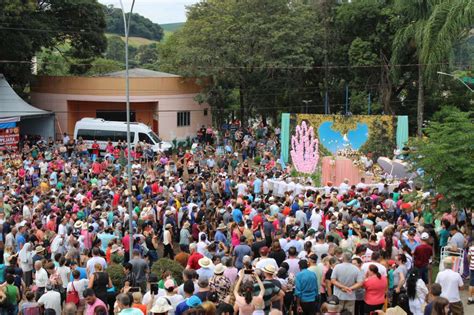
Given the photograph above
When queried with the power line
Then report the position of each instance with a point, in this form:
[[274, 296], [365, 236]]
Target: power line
[[258, 67]]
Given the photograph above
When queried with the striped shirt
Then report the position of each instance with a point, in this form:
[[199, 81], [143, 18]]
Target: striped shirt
[[471, 255]]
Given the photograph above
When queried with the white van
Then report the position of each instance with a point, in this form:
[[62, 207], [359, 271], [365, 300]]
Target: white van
[[90, 129]]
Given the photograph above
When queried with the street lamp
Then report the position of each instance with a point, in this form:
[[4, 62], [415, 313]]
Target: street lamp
[[455, 77], [306, 102], [126, 26]]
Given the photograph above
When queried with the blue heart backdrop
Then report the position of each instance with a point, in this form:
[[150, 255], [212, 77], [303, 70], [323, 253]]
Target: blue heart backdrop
[[334, 140], [365, 133]]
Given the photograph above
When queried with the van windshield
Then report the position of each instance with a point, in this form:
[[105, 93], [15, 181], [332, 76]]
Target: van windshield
[[154, 136]]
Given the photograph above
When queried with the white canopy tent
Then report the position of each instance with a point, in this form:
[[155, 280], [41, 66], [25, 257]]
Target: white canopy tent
[[32, 120]]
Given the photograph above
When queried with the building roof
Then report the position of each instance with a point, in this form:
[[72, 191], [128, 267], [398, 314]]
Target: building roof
[[141, 73], [11, 105]]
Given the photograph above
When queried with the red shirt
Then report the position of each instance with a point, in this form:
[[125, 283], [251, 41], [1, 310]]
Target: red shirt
[[126, 243], [422, 255], [95, 148], [96, 168], [193, 260], [257, 221], [375, 289]]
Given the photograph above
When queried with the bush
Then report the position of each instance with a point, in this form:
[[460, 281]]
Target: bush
[[165, 264], [117, 275]]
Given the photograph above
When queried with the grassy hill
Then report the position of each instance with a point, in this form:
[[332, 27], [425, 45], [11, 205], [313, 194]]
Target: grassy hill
[[134, 41], [170, 28]]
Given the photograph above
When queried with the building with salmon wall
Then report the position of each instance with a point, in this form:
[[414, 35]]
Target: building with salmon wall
[[163, 101]]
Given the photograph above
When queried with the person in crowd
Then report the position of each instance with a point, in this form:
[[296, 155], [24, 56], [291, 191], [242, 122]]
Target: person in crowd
[[416, 292], [451, 283], [228, 213]]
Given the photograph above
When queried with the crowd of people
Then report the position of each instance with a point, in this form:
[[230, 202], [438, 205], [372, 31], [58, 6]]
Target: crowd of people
[[350, 249]]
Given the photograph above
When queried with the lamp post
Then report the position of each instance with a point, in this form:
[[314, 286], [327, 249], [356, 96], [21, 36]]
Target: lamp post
[[455, 77], [306, 102], [126, 26]]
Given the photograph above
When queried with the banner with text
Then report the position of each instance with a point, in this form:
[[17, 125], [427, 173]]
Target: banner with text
[[9, 134]]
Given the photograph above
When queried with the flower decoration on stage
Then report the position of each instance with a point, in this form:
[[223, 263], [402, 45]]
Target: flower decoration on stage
[[304, 149]]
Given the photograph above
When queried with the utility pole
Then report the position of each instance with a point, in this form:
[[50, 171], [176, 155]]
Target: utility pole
[[306, 102], [126, 26]]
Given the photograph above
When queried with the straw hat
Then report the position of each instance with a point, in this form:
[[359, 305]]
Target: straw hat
[[205, 262], [78, 224], [115, 248], [186, 225], [269, 269], [219, 269], [39, 249], [221, 226]]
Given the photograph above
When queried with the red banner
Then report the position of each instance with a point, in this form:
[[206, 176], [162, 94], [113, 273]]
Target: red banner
[[9, 138]]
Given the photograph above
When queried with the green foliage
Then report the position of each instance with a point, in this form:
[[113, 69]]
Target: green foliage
[[27, 26], [171, 27], [379, 142], [252, 46], [315, 177], [147, 54], [165, 264], [140, 26], [103, 66], [117, 275], [115, 49], [446, 156]]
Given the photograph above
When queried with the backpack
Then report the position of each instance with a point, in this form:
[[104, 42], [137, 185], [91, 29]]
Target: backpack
[[72, 296]]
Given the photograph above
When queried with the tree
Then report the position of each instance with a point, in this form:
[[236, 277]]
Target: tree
[[103, 66], [115, 49], [445, 156], [431, 29], [140, 26], [27, 26], [261, 48], [147, 54]]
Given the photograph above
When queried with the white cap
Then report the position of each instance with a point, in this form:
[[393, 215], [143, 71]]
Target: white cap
[[425, 236]]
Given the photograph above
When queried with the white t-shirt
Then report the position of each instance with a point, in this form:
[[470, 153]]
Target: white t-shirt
[[382, 269], [95, 260], [315, 220], [64, 273], [450, 282], [51, 299], [79, 285], [294, 266], [241, 189], [175, 300], [41, 278], [320, 250]]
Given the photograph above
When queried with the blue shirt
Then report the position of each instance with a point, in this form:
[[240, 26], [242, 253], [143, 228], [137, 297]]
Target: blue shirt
[[220, 237], [181, 308], [237, 215], [257, 186], [306, 286], [82, 272]]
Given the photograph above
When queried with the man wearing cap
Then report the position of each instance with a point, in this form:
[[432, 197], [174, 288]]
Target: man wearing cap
[[306, 289], [422, 256]]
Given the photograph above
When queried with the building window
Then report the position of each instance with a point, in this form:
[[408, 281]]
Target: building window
[[184, 119], [205, 111]]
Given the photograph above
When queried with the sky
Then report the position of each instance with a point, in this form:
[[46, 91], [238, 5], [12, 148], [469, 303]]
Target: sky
[[159, 11]]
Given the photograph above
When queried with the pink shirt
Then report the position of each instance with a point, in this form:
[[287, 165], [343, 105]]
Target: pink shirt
[[375, 290], [90, 308]]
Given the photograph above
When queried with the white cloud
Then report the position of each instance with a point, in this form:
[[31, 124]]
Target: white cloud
[[159, 11]]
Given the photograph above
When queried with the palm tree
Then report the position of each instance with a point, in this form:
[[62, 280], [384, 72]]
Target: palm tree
[[433, 27]]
